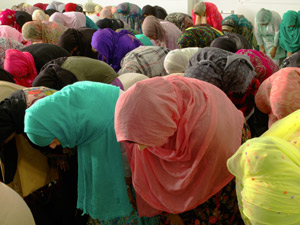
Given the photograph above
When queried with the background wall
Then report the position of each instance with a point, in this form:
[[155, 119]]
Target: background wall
[[248, 8]]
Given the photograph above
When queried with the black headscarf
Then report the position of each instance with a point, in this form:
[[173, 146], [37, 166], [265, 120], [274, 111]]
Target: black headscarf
[[22, 17], [113, 24], [50, 11], [231, 42], [81, 38], [156, 11], [6, 76], [53, 76], [43, 53], [291, 61]]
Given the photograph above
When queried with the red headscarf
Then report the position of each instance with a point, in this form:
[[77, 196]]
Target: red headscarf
[[8, 17], [21, 65], [279, 95], [185, 123], [213, 16], [70, 7], [41, 6]]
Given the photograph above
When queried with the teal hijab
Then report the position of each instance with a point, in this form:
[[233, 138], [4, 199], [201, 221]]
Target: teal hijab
[[144, 39], [289, 38], [82, 115]]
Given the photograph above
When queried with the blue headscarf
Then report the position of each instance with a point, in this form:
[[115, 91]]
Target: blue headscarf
[[82, 115]]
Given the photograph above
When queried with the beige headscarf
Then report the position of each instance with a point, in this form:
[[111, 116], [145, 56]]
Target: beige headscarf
[[177, 59], [40, 15], [89, 7], [151, 27], [200, 8], [129, 79]]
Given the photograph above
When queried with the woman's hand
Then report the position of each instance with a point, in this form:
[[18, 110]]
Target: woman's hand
[[273, 52], [289, 54], [262, 49], [174, 219]]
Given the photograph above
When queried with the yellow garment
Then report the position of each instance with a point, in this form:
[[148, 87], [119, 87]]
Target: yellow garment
[[33, 171], [7, 88], [267, 171]]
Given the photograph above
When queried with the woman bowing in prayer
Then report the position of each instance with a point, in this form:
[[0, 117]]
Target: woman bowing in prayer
[[131, 14], [102, 165], [162, 33], [113, 46], [267, 28], [289, 36], [172, 111]]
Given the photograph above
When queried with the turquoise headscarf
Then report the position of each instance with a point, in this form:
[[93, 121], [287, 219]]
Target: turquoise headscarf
[[144, 39], [82, 115], [289, 38]]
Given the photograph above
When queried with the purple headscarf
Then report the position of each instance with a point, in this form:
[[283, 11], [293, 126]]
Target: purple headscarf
[[113, 46]]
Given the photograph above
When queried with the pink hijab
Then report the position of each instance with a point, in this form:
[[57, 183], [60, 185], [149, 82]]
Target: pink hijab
[[185, 122], [8, 17], [21, 65], [279, 95], [213, 16], [69, 19], [10, 32], [263, 65], [106, 12]]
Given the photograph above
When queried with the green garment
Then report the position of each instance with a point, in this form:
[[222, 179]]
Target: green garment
[[85, 68], [289, 38], [145, 40], [267, 27], [82, 115]]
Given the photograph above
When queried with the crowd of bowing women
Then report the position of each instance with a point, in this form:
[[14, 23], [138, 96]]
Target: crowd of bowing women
[[121, 115]]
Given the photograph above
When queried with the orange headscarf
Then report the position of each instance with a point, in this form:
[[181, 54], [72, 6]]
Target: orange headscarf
[[279, 95], [191, 128]]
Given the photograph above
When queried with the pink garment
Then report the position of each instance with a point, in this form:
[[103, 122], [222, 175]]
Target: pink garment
[[10, 32], [21, 65], [186, 123], [279, 95], [172, 33], [106, 12], [263, 65], [41, 5], [8, 17], [69, 19], [213, 16]]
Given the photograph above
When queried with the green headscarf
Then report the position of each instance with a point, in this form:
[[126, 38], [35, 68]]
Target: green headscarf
[[82, 115], [289, 38], [85, 68], [263, 16]]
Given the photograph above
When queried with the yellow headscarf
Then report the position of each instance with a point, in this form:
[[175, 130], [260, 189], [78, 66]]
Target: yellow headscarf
[[267, 171]]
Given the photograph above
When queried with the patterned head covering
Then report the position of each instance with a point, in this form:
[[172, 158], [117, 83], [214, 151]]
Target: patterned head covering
[[263, 65], [43, 31], [279, 95], [5, 44], [267, 174], [7, 17], [131, 14], [181, 20], [40, 15], [200, 36], [147, 60]]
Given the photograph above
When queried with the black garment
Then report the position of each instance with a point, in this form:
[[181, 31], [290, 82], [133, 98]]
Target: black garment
[[156, 11], [12, 112], [53, 76], [80, 38], [291, 61], [113, 24], [50, 11], [22, 17], [6, 76], [258, 122], [231, 42], [43, 53]]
